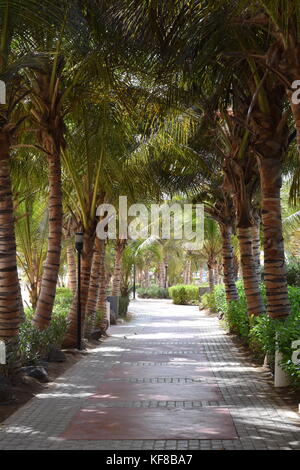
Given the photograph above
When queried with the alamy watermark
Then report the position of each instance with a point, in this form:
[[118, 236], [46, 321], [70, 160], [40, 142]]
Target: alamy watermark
[[166, 221], [2, 92], [296, 94]]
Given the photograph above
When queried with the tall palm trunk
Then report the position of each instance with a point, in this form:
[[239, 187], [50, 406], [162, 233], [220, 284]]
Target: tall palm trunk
[[86, 262], [162, 274], [211, 264], [274, 258], [228, 265], [146, 278], [269, 124], [251, 279], [93, 293], [103, 282], [256, 248], [116, 287], [71, 268], [51, 129], [187, 272], [11, 307], [52, 263]]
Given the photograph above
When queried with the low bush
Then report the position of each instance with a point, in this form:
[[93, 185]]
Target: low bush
[[260, 333], [123, 305], [34, 344], [220, 299], [184, 294], [208, 301], [267, 332], [153, 292], [293, 272]]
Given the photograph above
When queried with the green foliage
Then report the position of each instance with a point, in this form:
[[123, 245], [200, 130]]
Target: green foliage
[[123, 305], [293, 273], [220, 298], [184, 295], [208, 301], [260, 333], [153, 292], [34, 344], [236, 317], [63, 300]]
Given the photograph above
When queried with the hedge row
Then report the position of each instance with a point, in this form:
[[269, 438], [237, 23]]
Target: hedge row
[[185, 294], [153, 292], [259, 333]]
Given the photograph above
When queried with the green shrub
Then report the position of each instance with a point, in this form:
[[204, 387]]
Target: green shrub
[[123, 305], [260, 333], [34, 344], [208, 301], [153, 292], [216, 300], [220, 299], [293, 273], [184, 294]]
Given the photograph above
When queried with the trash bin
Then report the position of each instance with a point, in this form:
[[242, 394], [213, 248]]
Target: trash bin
[[114, 308]]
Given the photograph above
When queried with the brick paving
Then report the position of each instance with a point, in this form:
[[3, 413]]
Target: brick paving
[[161, 335]]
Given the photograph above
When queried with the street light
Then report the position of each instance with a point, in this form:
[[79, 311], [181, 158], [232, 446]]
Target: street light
[[166, 274], [134, 280], [79, 247]]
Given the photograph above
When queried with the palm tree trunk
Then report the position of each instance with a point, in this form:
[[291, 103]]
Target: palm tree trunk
[[146, 272], [256, 248], [93, 292], [86, 262], [71, 268], [251, 279], [228, 266], [11, 306], [52, 263], [236, 266], [187, 274], [102, 297], [211, 276], [278, 306], [162, 273], [116, 287], [33, 294]]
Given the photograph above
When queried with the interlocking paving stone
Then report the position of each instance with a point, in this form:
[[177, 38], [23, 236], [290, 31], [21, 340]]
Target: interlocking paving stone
[[120, 371], [173, 359], [262, 419], [128, 391], [125, 423]]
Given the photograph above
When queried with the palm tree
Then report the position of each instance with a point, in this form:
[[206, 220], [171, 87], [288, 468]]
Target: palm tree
[[31, 235], [101, 135], [211, 249], [13, 17], [116, 284]]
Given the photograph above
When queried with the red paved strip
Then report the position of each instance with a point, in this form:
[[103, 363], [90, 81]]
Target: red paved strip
[[125, 371], [151, 423], [128, 392]]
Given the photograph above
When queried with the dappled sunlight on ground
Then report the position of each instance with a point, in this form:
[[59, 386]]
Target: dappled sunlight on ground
[[169, 376]]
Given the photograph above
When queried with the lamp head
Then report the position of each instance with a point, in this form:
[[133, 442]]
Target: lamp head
[[79, 241]]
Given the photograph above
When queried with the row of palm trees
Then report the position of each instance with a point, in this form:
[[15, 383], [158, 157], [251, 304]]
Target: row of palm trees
[[143, 98], [233, 66]]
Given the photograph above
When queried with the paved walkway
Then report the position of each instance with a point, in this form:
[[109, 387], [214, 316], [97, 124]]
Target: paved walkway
[[169, 379]]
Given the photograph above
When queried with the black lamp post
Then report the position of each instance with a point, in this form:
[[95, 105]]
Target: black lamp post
[[79, 247], [166, 274], [134, 279]]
